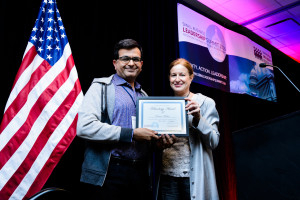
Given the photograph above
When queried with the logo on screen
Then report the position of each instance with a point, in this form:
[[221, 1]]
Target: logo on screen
[[258, 53], [216, 43]]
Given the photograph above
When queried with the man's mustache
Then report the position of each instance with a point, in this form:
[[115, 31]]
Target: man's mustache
[[130, 67]]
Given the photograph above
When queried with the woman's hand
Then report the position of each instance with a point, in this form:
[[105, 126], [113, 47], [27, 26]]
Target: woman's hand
[[193, 108], [166, 141]]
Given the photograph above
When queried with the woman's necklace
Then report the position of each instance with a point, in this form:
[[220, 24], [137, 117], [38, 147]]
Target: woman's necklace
[[188, 94], [185, 96]]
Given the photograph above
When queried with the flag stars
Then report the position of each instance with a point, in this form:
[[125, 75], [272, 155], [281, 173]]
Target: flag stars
[[49, 57], [33, 38], [50, 19], [49, 47], [48, 34], [40, 49], [49, 37], [50, 11]]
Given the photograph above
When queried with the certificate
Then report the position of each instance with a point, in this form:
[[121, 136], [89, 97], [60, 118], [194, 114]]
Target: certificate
[[166, 115]]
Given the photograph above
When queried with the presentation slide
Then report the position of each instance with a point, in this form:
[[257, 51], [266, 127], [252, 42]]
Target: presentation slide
[[222, 58]]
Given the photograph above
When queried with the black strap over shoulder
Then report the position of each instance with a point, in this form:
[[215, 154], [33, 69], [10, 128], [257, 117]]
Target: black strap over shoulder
[[103, 97], [104, 112]]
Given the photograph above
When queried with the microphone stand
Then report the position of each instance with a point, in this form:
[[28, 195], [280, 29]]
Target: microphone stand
[[287, 78]]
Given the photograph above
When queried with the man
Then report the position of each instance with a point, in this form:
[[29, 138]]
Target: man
[[116, 158]]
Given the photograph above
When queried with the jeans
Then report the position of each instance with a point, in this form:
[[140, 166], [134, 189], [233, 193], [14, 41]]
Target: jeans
[[174, 188]]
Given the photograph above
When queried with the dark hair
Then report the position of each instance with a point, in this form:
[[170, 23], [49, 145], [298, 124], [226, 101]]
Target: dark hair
[[183, 62], [126, 44]]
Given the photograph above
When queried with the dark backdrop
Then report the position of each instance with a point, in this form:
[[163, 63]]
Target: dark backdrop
[[268, 158], [94, 26]]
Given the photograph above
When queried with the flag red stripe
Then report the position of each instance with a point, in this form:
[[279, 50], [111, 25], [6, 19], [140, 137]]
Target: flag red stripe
[[52, 124], [21, 98], [21, 134], [37, 108], [27, 60], [53, 160]]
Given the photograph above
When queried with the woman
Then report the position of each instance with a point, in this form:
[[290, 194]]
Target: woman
[[187, 165]]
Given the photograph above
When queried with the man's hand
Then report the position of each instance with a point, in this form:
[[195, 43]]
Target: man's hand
[[142, 134]]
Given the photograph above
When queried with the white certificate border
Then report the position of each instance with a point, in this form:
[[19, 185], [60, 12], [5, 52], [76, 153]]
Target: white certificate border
[[141, 101]]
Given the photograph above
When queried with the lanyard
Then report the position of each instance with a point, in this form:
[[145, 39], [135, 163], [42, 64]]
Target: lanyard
[[132, 98]]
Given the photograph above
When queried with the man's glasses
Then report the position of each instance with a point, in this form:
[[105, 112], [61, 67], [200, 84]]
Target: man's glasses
[[126, 59]]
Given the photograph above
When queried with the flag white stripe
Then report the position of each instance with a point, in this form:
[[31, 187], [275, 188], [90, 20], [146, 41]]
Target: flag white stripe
[[35, 93], [29, 45], [44, 155], [23, 79], [17, 158]]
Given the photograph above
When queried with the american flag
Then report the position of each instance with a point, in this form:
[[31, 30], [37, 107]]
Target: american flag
[[39, 121]]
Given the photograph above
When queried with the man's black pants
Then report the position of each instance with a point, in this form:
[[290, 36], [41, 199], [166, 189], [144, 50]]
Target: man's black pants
[[124, 180]]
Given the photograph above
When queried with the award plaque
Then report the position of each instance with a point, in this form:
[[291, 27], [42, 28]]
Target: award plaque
[[166, 115]]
